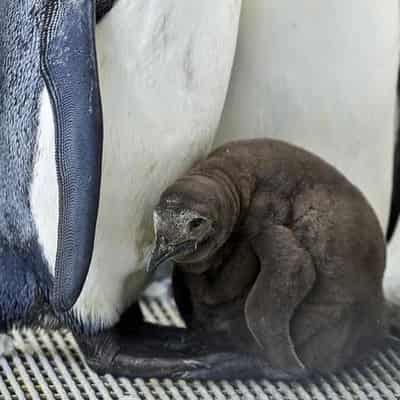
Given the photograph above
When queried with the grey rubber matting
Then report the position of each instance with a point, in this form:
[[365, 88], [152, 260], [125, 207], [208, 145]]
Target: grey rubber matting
[[48, 365]]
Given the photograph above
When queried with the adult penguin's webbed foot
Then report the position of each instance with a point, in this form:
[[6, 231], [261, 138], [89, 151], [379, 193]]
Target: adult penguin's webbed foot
[[163, 352], [141, 350]]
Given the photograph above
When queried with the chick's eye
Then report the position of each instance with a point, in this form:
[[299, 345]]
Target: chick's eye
[[195, 223]]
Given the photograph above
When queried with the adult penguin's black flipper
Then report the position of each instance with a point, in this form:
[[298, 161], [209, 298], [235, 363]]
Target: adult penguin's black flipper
[[395, 204], [69, 68], [103, 7]]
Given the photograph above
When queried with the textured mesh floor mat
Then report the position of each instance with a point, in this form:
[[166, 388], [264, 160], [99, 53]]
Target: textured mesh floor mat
[[48, 365]]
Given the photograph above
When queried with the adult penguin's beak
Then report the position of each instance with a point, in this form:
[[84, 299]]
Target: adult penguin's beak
[[69, 69]]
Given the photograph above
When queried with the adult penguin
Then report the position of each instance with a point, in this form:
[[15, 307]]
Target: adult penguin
[[323, 77], [325, 80], [76, 206]]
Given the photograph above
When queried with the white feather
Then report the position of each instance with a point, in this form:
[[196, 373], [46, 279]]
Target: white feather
[[321, 74], [164, 68], [44, 189], [7, 346]]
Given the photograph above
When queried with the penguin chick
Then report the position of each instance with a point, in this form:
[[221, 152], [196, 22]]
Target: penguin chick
[[278, 256]]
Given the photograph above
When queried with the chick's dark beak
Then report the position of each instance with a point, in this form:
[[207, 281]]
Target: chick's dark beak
[[159, 255], [164, 252]]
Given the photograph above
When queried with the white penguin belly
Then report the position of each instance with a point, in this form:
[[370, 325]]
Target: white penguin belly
[[164, 68], [321, 75]]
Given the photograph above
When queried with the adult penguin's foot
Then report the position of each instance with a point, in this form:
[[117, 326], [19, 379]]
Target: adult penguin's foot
[[170, 354], [135, 349]]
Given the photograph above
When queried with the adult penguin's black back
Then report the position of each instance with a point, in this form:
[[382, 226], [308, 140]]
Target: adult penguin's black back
[[25, 280], [39, 46]]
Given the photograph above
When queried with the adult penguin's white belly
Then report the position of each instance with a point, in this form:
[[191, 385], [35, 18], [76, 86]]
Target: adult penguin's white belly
[[164, 69], [322, 75]]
